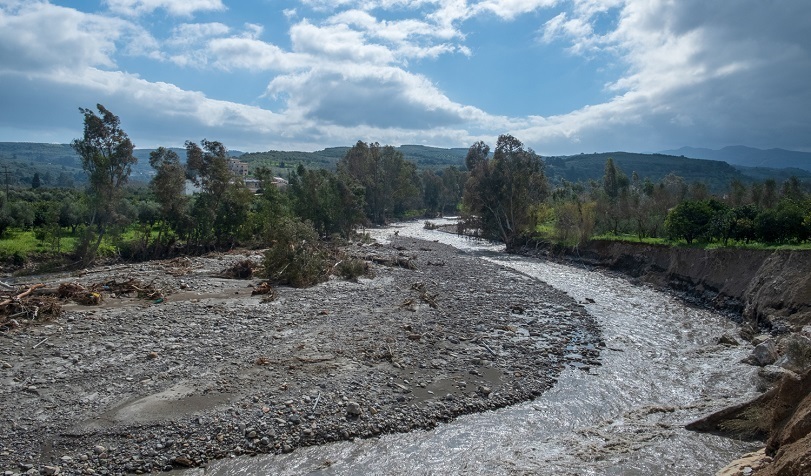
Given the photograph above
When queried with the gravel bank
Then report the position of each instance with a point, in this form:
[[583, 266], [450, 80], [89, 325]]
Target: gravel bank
[[134, 386]]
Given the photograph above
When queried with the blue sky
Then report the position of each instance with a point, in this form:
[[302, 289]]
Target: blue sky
[[563, 76]]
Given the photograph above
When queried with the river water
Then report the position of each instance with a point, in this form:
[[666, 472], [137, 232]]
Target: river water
[[661, 368]]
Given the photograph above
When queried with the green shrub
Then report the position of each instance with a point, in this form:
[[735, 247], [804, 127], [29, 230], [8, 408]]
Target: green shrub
[[296, 256], [352, 268]]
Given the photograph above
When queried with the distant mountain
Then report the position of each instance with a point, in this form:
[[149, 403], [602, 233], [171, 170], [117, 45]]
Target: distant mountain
[[749, 156]]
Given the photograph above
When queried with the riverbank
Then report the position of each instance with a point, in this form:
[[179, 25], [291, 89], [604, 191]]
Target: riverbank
[[770, 292], [767, 288], [211, 371]]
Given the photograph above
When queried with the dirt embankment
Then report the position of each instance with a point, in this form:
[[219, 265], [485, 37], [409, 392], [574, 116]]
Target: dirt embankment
[[770, 290]]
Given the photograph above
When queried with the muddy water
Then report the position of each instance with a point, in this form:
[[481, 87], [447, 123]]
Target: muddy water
[[661, 369]]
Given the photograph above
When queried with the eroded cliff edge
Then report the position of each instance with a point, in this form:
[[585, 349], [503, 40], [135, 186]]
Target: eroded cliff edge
[[768, 288]]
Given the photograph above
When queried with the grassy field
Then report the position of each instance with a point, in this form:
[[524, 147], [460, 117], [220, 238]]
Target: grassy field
[[710, 246]]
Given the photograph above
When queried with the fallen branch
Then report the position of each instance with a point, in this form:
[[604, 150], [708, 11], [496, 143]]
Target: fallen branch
[[21, 295], [488, 348], [317, 399], [39, 343]]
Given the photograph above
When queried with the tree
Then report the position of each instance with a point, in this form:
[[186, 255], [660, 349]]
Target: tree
[[612, 179], [689, 220], [476, 154], [505, 191], [271, 207], [169, 185], [36, 182], [106, 154], [390, 184], [221, 208], [325, 200]]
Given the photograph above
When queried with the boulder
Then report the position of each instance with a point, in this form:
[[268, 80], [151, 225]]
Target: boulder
[[763, 354]]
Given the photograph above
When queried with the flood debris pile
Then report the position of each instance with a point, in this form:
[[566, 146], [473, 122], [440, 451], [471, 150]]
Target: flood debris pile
[[38, 303], [20, 306], [216, 371]]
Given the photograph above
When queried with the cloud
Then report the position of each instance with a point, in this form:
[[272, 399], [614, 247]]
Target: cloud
[[706, 73], [383, 97], [337, 42], [192, 34], [687, 72], [173, 7], [39, 36], [510, 9], [251, 54]]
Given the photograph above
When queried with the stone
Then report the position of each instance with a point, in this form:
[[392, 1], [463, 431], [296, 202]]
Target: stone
[[353, 409], [51, 470], [764, 354], [727, 339], [99, 449]]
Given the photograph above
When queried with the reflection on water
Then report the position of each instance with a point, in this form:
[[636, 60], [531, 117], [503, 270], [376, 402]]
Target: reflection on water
[[661, 369]]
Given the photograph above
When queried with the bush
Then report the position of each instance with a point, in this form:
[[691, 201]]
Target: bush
[[352, 268], [296, 256]]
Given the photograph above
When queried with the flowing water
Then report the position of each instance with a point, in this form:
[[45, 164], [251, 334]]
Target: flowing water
[[661, 368]]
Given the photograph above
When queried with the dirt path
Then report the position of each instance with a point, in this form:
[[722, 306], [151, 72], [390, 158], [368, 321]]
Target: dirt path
[[211, 371]]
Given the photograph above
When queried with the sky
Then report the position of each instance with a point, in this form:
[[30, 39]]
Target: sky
[[563, 76]]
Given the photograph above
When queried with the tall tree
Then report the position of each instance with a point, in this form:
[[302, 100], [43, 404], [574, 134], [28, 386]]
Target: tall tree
[[169, 186], [476, 154], [106, 154], [221, 207], [325, 200], [390, 183], [505, 191]]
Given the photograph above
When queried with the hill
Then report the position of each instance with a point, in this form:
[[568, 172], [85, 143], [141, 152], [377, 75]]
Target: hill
[[715, 174], [749, 156], [283, 162], [60, 166]]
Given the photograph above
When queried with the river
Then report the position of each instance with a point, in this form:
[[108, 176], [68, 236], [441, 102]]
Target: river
[[661, 368]]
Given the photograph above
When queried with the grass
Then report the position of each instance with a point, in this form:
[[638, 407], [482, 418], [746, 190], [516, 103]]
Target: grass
[[703, 245], [632, 238], [22, 242]]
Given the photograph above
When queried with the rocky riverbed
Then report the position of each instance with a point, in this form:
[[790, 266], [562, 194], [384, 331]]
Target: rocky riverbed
[[210, 371]]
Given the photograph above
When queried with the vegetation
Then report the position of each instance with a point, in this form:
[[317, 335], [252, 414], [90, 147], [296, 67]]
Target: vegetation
[[510, 195], [503, 193], [106, 153]]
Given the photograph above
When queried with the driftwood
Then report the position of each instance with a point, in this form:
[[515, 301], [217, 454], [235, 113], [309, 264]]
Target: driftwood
[[21, 295], [394, 262]]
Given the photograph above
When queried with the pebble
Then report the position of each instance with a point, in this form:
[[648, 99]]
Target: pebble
[[353, 409]]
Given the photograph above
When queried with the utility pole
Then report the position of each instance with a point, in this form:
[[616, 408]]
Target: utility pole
[[5, 170]]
